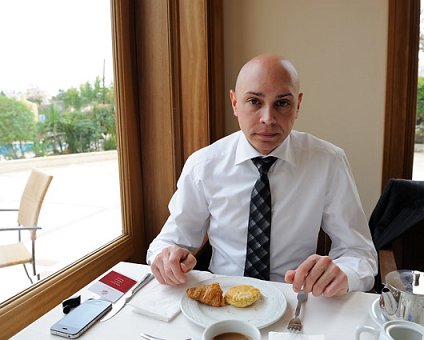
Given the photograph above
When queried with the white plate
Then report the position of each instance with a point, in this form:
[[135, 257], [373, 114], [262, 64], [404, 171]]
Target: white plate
[[264, 312], [376, 313]]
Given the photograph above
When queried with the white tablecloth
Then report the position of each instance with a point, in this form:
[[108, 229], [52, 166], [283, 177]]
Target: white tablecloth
[[335, 318]]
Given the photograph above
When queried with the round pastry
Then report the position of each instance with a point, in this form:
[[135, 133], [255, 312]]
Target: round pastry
[[242, 296]]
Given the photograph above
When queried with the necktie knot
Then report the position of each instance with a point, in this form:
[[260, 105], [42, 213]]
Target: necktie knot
[[264, 163]]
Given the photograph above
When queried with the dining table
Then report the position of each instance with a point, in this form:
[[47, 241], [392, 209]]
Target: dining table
[[334, 318]]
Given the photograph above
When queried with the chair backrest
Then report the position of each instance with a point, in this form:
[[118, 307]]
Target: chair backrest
[[399, 208], [397, 226], [407, 249], [33, 197], [323, 244]]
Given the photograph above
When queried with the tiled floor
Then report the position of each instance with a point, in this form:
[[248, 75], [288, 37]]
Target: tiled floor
[[81, 212]]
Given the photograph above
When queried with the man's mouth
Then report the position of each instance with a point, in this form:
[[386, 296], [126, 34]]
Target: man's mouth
[[266, 134]]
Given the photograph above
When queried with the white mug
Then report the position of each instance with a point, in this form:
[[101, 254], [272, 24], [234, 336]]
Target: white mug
[[394, 330], [231, 326]]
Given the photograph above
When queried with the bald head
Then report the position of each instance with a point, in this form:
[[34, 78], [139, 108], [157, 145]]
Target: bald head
[[270, 65], [266, 101]]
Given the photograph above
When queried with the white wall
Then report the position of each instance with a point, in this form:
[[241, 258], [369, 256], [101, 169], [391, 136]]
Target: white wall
[[340, 49]]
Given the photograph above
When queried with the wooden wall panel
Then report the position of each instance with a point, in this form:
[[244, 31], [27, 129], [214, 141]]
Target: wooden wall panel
[[180, 66], [218, 95], [156, 97], [401, 89], [194, 75]]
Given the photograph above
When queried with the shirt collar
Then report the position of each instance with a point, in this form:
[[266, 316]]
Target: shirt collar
[[245, 151]]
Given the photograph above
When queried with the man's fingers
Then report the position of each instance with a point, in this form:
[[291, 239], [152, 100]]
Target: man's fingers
[[331, 282], [289, 276], [319, 275], [156, 272], [302, 273], [165, 270], [338, 287], [188, 263], [173, 265], [167, 266]]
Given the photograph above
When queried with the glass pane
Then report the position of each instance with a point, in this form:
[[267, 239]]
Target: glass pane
[[57, 115]]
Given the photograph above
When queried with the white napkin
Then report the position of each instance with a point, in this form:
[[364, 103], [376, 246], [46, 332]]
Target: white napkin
[[294, 336], [162, 302]]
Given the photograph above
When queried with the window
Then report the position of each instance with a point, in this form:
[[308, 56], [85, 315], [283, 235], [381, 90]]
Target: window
[[57, 77], [19, 311]]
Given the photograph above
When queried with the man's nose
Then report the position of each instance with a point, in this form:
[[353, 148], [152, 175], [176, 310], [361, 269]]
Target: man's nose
[[267, 115]]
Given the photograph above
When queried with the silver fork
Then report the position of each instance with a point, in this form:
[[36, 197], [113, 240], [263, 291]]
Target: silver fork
[[295, 324], [151, 337]]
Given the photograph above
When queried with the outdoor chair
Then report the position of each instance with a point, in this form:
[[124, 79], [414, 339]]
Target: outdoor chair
[[28, 212]]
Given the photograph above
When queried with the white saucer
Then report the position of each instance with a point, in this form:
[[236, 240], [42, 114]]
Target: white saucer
[[376, 313]]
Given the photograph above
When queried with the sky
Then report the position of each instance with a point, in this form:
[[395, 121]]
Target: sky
[[58, 44], [54, 44]]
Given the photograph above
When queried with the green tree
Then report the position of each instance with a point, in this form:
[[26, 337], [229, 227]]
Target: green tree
[[420, 101], [17, 126], [71, 98], [79, 132], [419, 128], [49, 135], [77, 120]]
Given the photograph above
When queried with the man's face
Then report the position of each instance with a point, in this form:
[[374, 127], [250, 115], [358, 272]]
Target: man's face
[[266, 102]]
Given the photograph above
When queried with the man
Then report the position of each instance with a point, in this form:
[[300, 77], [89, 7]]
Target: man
[[311, 186]]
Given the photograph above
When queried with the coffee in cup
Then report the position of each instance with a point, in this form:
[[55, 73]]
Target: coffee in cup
[[231, 330]]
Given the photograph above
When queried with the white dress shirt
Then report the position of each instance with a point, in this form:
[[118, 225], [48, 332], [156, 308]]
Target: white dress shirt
[[311, 187]]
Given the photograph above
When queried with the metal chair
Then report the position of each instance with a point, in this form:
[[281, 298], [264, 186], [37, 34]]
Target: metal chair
[[28, 212]]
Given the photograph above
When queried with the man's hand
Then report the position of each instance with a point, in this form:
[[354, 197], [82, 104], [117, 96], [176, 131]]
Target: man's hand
[[319, 275], [171, 264]]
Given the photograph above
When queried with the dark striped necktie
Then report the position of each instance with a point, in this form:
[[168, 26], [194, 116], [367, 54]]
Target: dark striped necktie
[[259, 229]]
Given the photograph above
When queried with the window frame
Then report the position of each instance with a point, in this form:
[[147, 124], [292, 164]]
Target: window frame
[[401, 89]]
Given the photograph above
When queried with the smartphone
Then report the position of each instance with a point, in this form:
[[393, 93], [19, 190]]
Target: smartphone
[[78, 320]]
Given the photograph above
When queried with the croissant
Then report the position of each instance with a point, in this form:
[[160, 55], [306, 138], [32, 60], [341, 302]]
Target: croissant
[[211, 294]]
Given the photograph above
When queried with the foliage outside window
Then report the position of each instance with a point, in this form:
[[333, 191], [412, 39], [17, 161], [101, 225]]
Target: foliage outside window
[[74, 121], [419, 130]]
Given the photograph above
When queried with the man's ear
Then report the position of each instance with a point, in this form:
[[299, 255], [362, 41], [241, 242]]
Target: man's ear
[[299, 101], [233, 101]]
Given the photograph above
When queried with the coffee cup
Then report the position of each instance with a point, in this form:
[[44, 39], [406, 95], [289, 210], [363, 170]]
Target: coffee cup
[[231, 330], [393, 330]]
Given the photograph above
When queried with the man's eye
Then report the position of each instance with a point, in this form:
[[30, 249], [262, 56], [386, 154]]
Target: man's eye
[[253, 101], [282, 103]]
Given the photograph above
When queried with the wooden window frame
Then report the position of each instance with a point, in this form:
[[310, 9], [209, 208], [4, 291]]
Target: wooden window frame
[[168, 62], [401, 89]]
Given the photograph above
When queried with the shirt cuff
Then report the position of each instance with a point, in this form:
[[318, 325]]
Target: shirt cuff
[[150, 256], [353, 280]]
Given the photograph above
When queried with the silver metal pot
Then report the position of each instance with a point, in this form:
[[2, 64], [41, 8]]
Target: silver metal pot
[[402, 297]]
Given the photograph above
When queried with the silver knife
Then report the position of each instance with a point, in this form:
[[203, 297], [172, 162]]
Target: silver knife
[[117, 306]]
